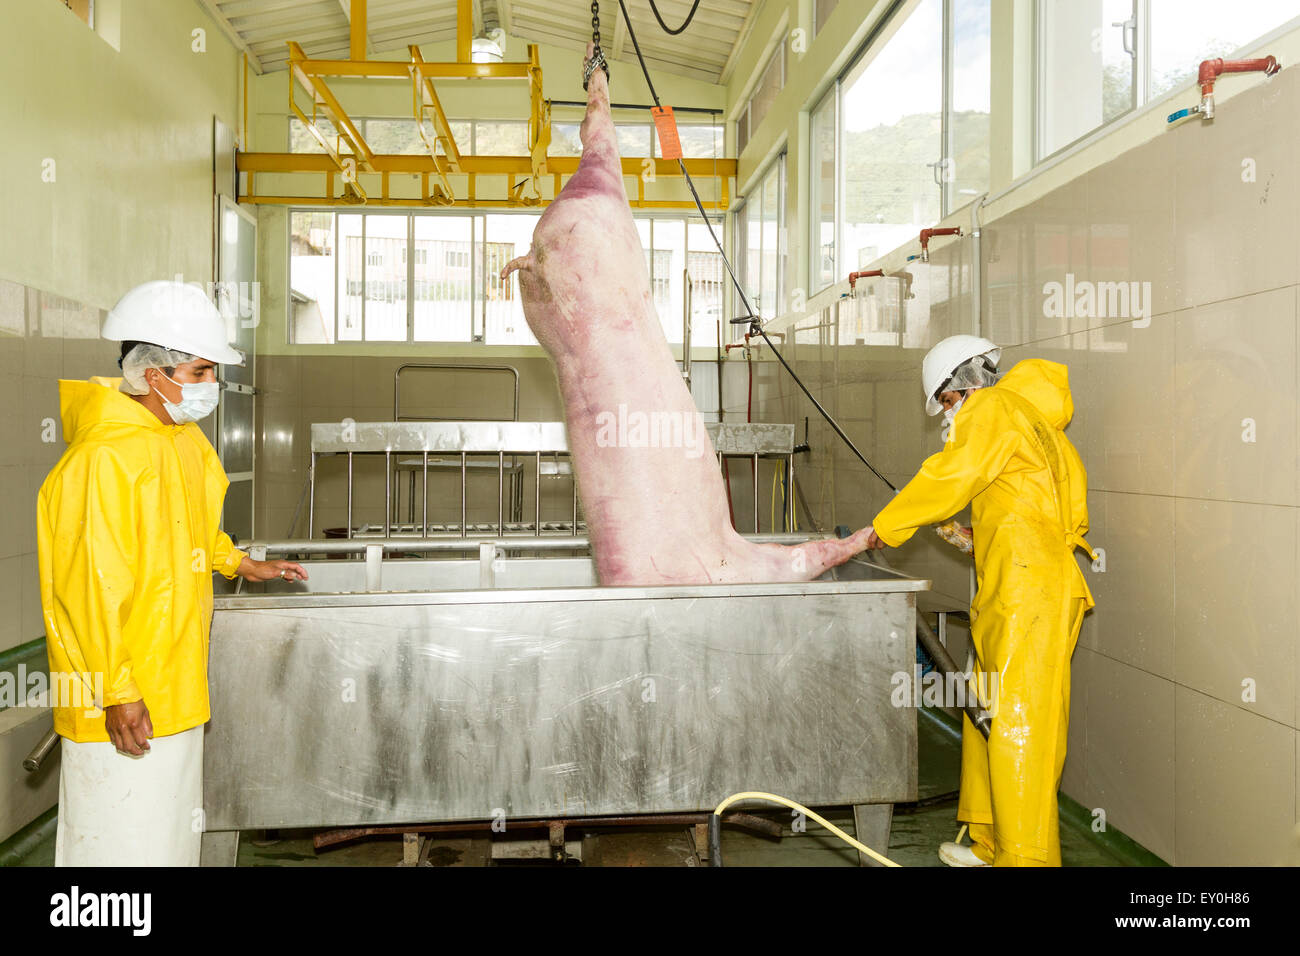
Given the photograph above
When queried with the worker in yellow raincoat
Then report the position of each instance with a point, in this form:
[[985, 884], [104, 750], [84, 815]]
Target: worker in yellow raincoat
[[128, 527], [1007, 456]]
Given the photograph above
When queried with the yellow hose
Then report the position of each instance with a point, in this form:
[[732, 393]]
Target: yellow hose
[[793, 522], [785, 802], [772, 525]]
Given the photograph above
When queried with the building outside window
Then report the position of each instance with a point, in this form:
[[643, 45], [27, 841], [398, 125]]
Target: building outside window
[[901, 139], [451, 265]]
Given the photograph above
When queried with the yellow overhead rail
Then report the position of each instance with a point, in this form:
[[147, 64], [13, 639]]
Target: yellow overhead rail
[[347, 155]]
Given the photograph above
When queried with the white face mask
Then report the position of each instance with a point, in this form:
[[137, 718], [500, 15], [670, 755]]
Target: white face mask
[[950, 413], [198, 400]]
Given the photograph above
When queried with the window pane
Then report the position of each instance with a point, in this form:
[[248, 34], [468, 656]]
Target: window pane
[[750, 224], [311, 277], [443, 265], [399, 136], [492, 138], [891, 131], [302, 141], [351, 278], [1087, 75], [769, 85], [698, 142], [633, 139], [385, 278], [822, 168], [565, 140], [507, 238], [970, 102], [708, 282], [460, 131], [1185, 32], [669, 237], [770, 307]]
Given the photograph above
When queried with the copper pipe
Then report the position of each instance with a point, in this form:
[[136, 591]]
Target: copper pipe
[[1211, 69], [870, 273]]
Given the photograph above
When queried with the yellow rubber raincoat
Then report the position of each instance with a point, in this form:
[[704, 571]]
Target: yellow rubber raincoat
[[128, 536], [1009, 458]]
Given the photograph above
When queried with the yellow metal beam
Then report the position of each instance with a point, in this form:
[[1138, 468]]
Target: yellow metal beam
[[483, 165], [399, 70], [328, 202], [357, 39], [427, 97], [464, 30], [330, 106]]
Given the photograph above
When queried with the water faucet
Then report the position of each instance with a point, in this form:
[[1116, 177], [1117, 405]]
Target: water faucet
[[1210, 70]]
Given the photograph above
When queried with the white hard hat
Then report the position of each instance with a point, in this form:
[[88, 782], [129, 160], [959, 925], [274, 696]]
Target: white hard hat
[[175, 315], [942, 360]]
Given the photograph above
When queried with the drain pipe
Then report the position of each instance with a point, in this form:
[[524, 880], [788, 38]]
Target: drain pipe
[[976, 269], [979, 717]]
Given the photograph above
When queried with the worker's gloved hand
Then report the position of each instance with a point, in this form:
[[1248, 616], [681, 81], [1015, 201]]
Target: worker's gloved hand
[[255, 571], [874, 543], [963, 539], [129, 727]]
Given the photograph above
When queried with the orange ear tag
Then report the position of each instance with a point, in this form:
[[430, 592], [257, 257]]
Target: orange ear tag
[[670, 147]]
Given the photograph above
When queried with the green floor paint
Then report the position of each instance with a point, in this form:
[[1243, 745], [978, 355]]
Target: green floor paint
[[914, 840], [23, 660], [33, 845]]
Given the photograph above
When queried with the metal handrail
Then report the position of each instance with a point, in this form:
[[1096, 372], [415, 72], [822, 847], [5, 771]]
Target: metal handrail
[[397, 386], [389, 545]]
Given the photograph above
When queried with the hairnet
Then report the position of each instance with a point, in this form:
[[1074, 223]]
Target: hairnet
[[979, 372], [146, 356]]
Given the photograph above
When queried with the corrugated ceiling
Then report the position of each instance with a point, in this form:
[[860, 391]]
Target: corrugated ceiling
[[705, 51]]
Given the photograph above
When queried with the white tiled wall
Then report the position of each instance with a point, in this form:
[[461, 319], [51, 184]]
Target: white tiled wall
[[1185, 719], [43, 338]]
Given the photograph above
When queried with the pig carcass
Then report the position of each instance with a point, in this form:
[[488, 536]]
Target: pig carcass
[[651, 490]]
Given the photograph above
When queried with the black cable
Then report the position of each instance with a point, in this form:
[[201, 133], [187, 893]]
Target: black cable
[[926, 802], [818, 405], [655, 10], [754, 320]]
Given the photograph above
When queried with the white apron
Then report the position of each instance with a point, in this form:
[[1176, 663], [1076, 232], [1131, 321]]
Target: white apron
[[119, 810]]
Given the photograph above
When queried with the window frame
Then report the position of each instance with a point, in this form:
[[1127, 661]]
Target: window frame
[[477, 266], [1140, 99], [746, 112], [751, 202], [833, 98], [948, 204]]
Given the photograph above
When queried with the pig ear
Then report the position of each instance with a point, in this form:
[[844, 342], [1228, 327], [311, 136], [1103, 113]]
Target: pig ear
[[514, 265]]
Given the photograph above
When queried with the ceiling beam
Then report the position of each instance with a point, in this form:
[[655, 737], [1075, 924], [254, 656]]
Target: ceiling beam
[[235, 9], [620, 33], [355, 11], [231, 33], [464, 30], [742, 38]]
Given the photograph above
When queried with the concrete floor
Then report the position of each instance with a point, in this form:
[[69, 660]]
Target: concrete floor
[[915, 837]]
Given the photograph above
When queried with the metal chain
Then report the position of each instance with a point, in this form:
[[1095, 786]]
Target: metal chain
[[597, 61]]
